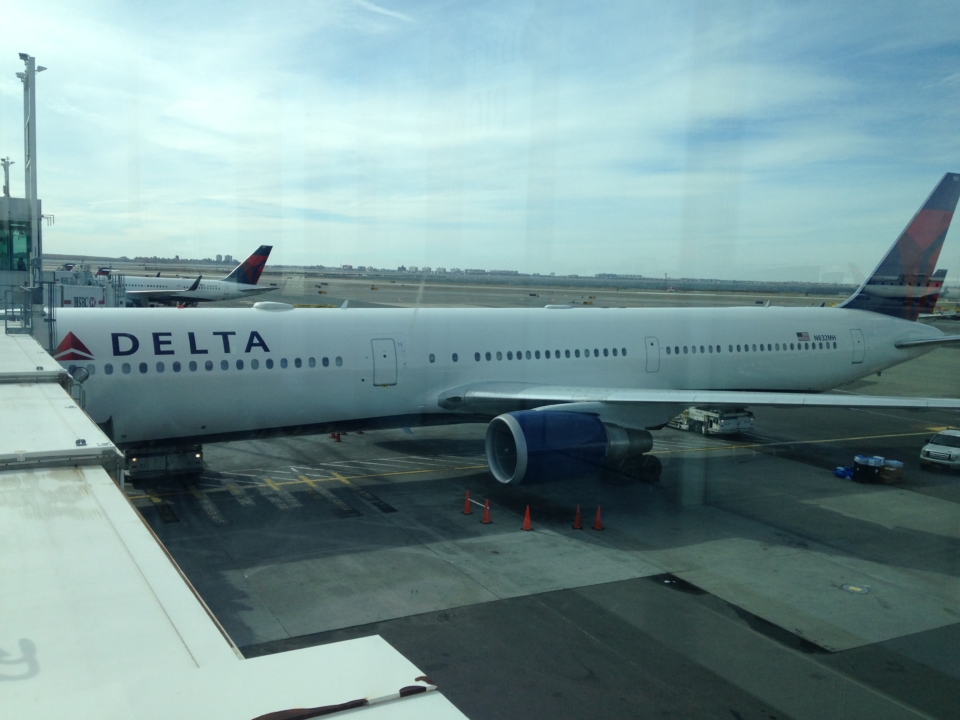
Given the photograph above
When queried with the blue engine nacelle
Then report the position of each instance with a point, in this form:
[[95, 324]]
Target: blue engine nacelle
[[547, 445]]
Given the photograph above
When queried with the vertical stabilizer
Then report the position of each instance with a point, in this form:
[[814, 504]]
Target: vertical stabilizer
[[903, 284], [248, 272]]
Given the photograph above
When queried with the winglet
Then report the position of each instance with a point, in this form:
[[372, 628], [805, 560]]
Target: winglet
[[904, 281], [196, 284]]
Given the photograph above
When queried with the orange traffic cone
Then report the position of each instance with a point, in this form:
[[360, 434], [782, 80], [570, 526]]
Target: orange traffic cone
[[598, 523], [576, 520], [486, 514], [526, 520], [467, 509]]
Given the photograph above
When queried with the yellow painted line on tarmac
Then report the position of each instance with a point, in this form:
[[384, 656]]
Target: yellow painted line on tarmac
[[787, 443], [312, 483]]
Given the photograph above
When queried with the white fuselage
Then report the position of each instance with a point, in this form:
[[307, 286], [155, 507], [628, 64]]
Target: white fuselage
[[199, 374], [207, 291]]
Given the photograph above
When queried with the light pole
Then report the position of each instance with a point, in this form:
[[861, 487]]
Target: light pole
[[29, 79], [6, 162]]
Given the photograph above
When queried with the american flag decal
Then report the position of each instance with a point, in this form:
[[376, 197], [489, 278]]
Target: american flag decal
[[803, 337]]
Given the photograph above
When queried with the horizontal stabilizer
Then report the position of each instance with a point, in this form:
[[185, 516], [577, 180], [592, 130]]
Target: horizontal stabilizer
[[945, 340]]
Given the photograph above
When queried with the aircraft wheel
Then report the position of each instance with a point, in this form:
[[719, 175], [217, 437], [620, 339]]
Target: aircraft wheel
[[650, 469]]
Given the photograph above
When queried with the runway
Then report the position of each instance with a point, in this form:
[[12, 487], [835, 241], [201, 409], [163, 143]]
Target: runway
[[750, 582]]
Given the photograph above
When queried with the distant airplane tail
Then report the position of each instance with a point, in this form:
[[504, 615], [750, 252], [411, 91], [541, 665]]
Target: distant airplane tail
[[248, 272], [904, 284], [934, 288]]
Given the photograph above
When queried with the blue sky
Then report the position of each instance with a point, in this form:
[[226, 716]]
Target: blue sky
[[756, 140]]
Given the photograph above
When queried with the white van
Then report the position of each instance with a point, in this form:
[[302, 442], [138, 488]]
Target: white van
[[942, 450]]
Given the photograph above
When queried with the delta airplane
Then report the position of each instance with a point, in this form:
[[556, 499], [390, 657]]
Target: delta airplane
[[561, 388], [242, 282]]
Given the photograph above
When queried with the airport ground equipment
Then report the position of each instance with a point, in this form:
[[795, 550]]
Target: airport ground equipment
[[714, 421], [147, 462]]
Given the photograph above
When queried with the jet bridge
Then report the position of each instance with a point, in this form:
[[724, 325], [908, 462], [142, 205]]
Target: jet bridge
[[98, 616]]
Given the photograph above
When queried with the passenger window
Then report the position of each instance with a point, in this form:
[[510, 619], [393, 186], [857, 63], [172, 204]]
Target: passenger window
[[476, 356], [777, 346], [519, 354], [614, 352], [298, 362], [806, 346], [566, 353], [821, 346], [339, 361], [509, 354], [738, 348], [834, 346], [606, 353], [676, 349], [269, 363], [325, 362], [125, 368], [536, 354], [556, 354], [769, 347], [576, 353], [224, 365], [693, 349], [668, 349], [108, 369], [754, 348], [684, 349], [92, 369], [455, 358], [623, 351], [499, 355], [791, 346], [710, 347], [761, 347], [546, 354], [528, 354], [730, 349], [239, 364], [193, 366], [283, 362], [432, 357], [159, 367], [208, 365], [312, 362], [143, 368], [596, 353], [701, 349], [254, 364], [176, 367]]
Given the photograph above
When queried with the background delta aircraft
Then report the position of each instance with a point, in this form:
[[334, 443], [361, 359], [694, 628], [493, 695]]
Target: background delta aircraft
[[562, 389], [242, 282]]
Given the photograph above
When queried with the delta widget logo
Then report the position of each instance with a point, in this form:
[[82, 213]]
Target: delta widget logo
[[70, 348]]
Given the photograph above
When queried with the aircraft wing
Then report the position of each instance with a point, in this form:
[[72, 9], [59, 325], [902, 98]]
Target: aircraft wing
[[167, 295], [523, 395]]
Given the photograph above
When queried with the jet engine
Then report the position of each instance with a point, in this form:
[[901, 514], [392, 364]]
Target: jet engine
[[542, 446]]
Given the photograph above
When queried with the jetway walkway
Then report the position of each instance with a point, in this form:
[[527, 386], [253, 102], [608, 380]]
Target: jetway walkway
[[95, 610]]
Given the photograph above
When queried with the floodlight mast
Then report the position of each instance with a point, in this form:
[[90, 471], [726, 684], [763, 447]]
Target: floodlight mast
[[6, 162], [29, 80]]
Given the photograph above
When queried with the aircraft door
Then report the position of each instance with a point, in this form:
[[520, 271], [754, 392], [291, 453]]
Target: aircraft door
[[653, 354], [858, 346], [384, 362]]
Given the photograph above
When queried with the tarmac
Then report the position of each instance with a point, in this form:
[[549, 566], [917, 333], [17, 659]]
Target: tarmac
[[749, 583]]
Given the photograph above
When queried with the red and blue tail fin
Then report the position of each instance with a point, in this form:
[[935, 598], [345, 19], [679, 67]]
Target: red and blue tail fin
[[903, 284], [248, 272]]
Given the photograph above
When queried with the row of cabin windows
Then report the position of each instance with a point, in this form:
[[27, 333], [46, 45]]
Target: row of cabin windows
[[768, 347], [254, 364], [535, 355]]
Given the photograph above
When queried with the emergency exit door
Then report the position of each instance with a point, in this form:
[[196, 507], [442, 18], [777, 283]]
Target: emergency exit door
[[384, 362], [653, 354], [858, 346]]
